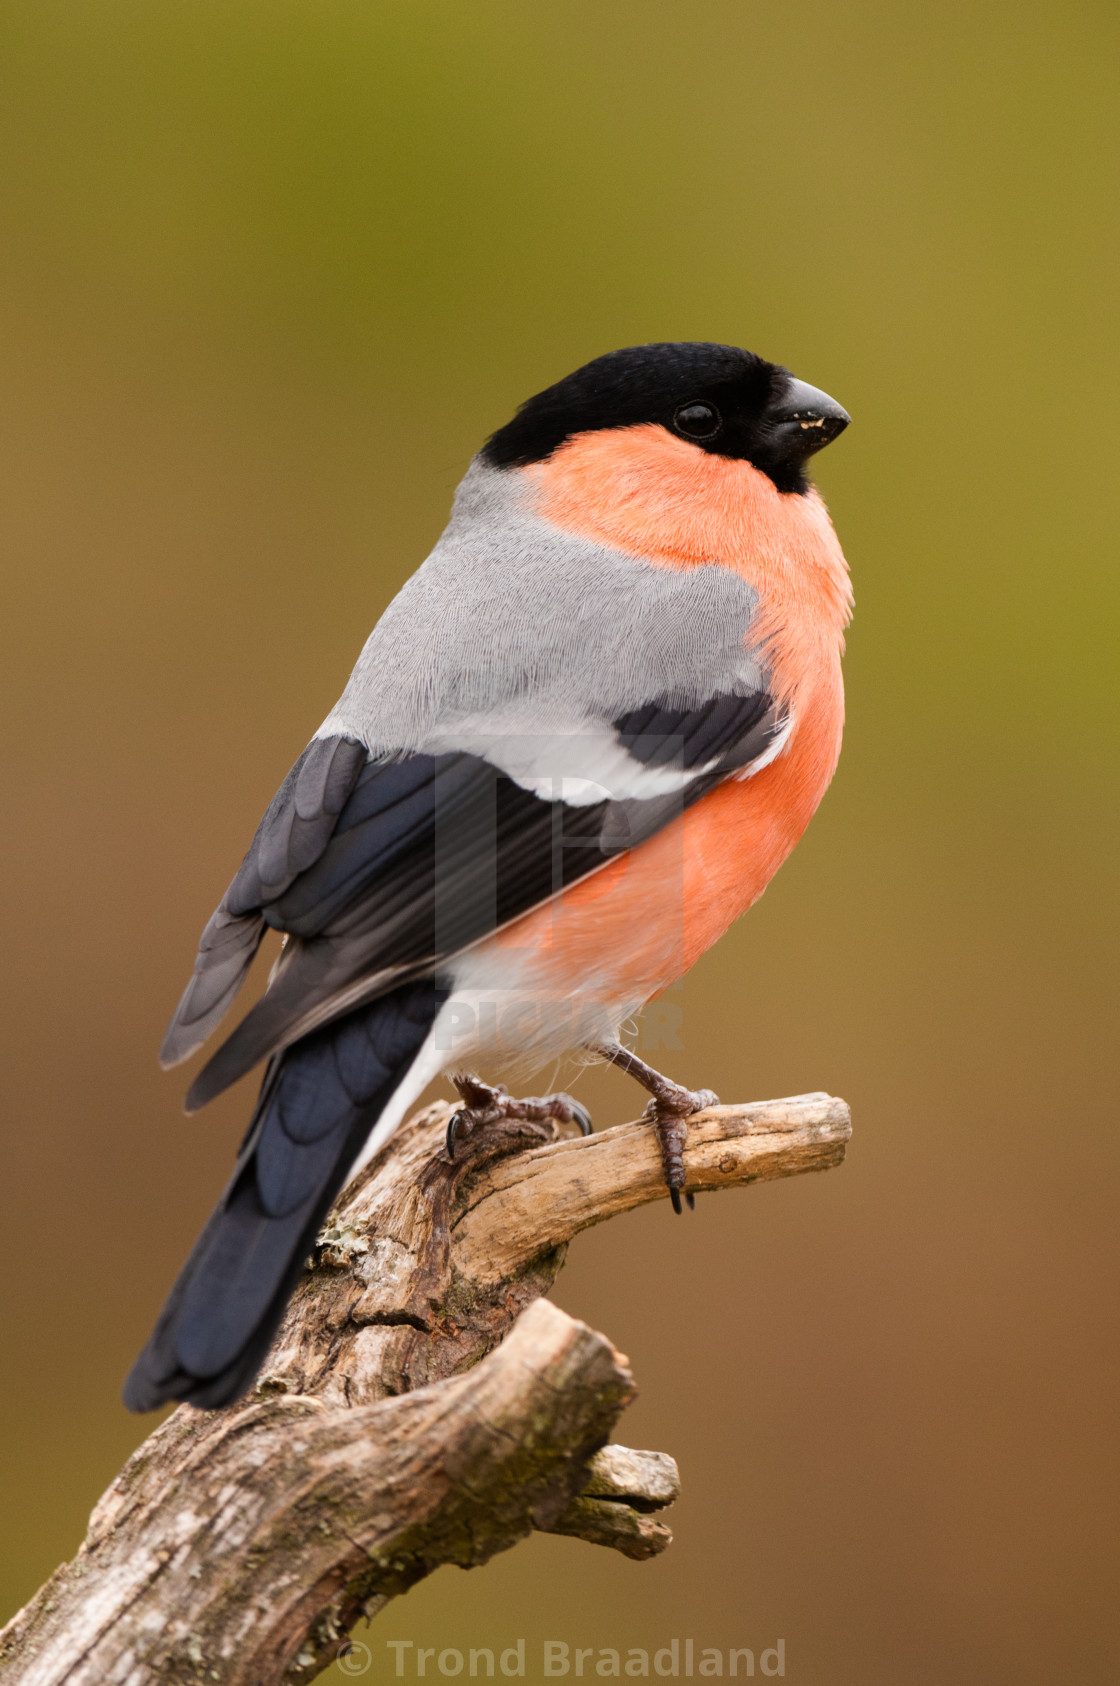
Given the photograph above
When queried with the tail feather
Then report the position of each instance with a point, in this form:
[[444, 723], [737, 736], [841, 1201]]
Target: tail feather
[[318, 1104]]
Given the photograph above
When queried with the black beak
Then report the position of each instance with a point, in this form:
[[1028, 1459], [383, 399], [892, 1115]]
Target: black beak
[[806, 419]]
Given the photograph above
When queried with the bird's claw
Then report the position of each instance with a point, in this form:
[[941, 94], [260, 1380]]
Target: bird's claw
[[486, 1103], [581, 1116], [667, 1111], [459, 1120]]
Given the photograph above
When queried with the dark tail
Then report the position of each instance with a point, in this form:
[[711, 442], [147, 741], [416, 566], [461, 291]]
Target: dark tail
[[318, 1103]]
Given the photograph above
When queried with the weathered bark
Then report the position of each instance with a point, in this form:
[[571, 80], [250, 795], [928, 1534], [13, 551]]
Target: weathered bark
[[422, 1405]]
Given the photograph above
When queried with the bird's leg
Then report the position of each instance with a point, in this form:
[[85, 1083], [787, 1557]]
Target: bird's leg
[[670, 1106], [486, 1104]]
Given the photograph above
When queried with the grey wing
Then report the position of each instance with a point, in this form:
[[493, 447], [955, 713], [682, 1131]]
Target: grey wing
[[296, 828]]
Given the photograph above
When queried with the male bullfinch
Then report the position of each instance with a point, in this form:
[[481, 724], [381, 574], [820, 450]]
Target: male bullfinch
[[576, 746]]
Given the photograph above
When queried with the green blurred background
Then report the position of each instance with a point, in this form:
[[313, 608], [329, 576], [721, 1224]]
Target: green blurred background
[[268, 275]]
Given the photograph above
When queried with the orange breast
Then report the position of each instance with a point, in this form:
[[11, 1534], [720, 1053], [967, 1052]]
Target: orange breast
[[640, 923]]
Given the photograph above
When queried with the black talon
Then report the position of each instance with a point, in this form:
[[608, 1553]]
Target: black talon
[[690, 1199], [583, 1119], [454, 1125], [675, 1197]]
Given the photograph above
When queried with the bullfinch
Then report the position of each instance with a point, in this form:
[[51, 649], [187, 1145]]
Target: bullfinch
[[577, 745]]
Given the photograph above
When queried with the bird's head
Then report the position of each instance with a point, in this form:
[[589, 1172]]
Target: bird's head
[[716, 398]]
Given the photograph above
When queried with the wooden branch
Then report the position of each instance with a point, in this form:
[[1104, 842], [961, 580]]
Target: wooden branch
[[612, 1509], [546, 1197], [422, 1405]]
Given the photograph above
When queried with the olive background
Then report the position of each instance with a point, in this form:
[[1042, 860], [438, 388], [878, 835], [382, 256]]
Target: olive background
[[269, 273]]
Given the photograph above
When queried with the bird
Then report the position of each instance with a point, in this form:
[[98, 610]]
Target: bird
[[577, 745]]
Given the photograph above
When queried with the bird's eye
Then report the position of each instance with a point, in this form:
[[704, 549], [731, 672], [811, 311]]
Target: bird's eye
[[698, 420]]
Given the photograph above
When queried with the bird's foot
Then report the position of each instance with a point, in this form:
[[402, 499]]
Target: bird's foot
[[668, 1112], [487, 1105], [670, 1106]]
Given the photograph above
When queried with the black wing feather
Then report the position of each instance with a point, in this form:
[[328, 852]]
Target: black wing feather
[[668, 734], [426, 854]]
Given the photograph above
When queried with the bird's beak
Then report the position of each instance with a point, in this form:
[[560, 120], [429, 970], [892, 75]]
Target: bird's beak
[[807, 418]]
